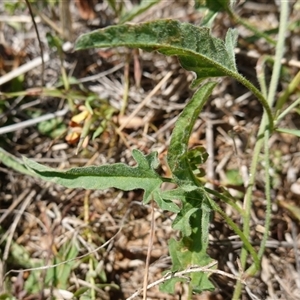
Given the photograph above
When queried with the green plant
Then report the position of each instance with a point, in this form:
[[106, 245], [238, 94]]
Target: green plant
[[91, 116], [56, 277], [124, 16], [208, 57]]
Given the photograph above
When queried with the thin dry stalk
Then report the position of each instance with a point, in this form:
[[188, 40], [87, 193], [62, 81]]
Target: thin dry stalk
[[150, 245]]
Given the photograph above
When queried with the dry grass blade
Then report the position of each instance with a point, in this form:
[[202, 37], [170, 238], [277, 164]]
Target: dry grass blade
[[14, 225], [150, 245], [146, 100]]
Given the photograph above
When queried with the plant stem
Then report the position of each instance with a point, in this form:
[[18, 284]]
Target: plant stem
[[262, 133], [235, 228], [226, 199], [284, 15], [248, 202], [252, 28], [268, 195], [259, 96], [286, 111], [260, 73], [290, 89]]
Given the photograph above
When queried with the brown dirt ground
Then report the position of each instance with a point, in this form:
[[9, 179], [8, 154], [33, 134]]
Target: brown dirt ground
[[41, 217]]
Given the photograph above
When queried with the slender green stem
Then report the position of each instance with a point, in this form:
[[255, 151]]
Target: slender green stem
[[235, 228], [286, 111], [259, 96], [89, 238], [226, 199], [248, 202], [284, 15], [263, 132], [260, 73], [268, 196], [252, 270], [66, 84], [295, 83], [190, 292], [252, 28]]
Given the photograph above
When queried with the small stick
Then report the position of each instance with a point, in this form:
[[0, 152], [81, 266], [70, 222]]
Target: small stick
[[31, 122], [182, 274], [24, 68], [150, 244], [39, 40], [146, 100]]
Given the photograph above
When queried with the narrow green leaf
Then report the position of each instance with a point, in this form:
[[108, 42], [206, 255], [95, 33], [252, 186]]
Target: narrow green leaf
[[121, 176], [295, 132], [80, 291], [230, 42], [208, 18], [196, 49], [137, 10], [177, 154], [61, 273], [13, 162]]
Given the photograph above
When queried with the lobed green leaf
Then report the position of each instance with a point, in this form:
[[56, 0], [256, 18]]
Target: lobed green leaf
[[194, 217], [119, 175], [184, 254]]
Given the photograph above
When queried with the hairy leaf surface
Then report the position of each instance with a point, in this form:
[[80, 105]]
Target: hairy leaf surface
[[193, 219], [119, 175], [196, 49], [178, 156]]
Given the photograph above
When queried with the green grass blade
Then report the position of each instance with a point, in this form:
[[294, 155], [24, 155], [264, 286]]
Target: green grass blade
[[295, 132], [137, 10]]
